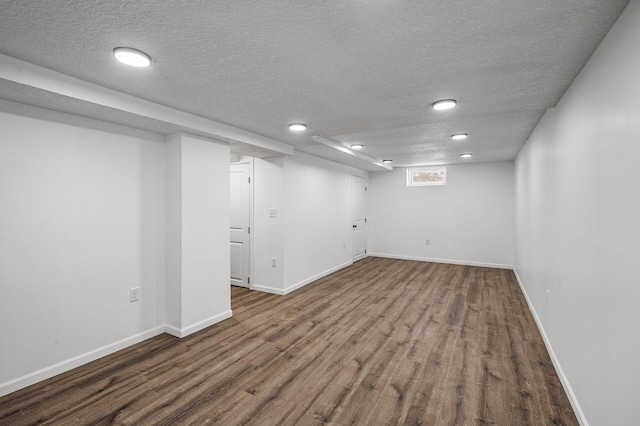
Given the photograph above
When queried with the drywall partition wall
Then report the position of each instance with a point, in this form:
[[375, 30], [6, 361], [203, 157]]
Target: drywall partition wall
[[318, 233], [198, 291], [81, 222], [468, 221], [268, 227], [577, 229], [173, 234]]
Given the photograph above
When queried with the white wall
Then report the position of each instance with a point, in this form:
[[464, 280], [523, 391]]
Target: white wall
[[318, 233], [82, 221], [86, 206], [311, 235], [173, 232], [469, 220], [198, 293], [268, 232], [578, 226]]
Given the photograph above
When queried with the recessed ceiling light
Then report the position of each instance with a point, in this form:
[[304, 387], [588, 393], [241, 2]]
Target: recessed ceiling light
[[467, 155], [444, 104], [357, 146], [297, 127], [387, 161], [132, 57], [459, 136]]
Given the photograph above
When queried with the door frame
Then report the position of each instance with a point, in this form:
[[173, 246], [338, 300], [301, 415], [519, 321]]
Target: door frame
[[249, 161], [365, 178]]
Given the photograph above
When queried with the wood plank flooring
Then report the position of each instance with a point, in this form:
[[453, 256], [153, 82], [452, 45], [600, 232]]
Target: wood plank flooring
[[383, 342]]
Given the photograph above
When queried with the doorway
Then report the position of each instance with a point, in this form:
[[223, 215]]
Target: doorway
[[358, 216], [240, 223]]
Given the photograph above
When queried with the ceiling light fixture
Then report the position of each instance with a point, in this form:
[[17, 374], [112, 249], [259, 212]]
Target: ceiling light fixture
[[459, 136], [357, 146], [132, 57], [297, 127], [387, 161], [444, 104], [467, 155]]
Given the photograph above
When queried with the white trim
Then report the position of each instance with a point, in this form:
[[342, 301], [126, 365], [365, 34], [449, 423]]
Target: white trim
[[450, 261], [556, 363], [252, 203], [250, 161], [77, 361], [283, 292], [63, 366], [200, 325], [365, 228], [271, 290], [316, 277]]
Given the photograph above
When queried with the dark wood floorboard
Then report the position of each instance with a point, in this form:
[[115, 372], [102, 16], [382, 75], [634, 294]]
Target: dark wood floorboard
[[382, 342]]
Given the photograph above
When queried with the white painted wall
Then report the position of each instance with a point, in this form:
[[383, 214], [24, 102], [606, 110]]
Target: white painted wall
[[201, 229], [81, 221], [318, 233], [268, 232], [173, 232], [86, 206], [205, 227], [469, 220], [578, 226]]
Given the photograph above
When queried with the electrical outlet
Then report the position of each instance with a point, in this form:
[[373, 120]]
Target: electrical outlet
[[273, 262], [134, 294], [273, 213]]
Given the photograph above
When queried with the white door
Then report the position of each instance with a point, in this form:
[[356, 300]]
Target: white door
[[240, 212], [359, 225]]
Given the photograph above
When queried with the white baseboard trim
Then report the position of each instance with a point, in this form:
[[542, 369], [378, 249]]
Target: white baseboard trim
[[267, 289], [200, 325], [453, 262], [61, 367], [302, 283], [317, 277], [556, 363]]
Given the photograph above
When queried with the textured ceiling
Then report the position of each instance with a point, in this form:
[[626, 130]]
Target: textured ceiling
[[354, 70]]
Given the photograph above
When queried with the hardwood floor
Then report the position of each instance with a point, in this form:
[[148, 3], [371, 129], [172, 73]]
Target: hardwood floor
[[383, 342]]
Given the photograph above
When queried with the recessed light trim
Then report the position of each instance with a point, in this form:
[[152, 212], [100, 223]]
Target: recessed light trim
[[459, 136], [387, 161], [444, 104], [297, 127], [466, 155], [132, 57], [357, 146]]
